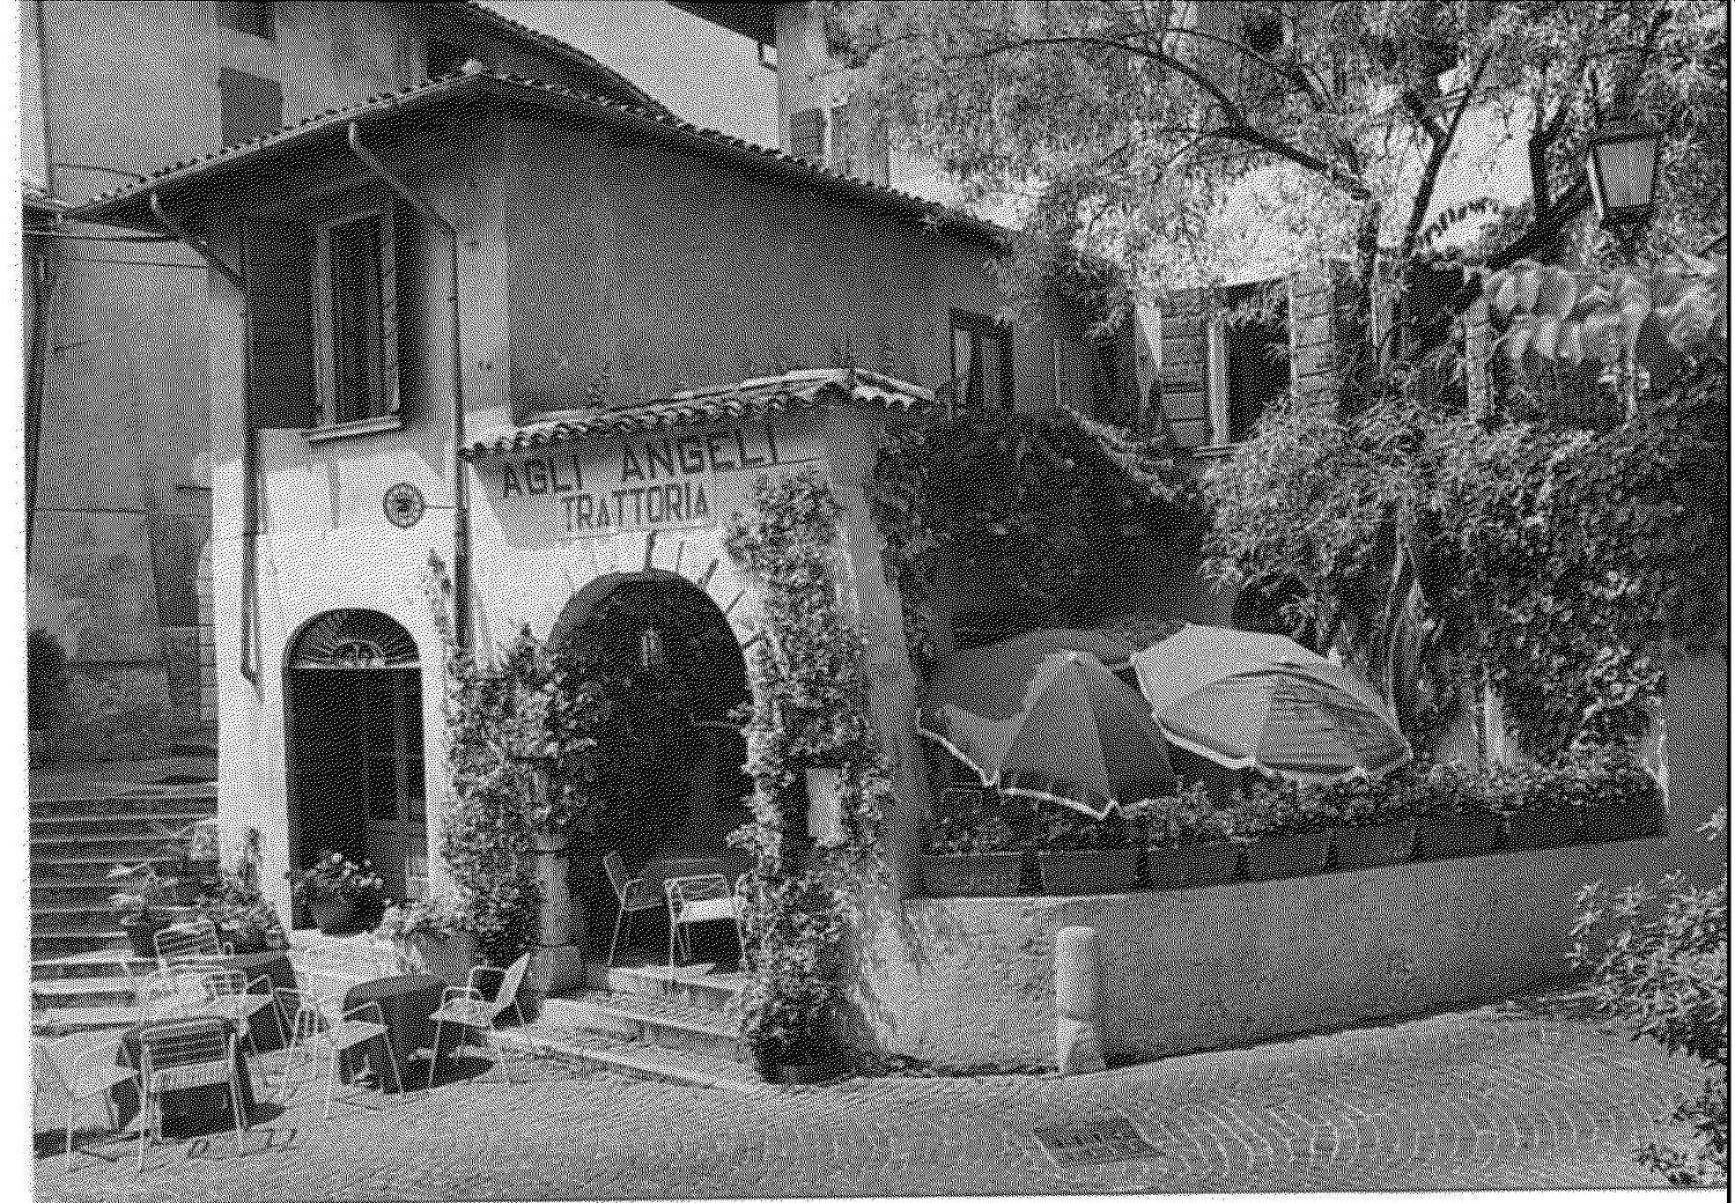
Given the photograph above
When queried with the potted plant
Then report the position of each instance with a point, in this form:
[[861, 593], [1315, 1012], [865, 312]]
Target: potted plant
[[1285, 828], [787, 1008], [974, 855], [344, 897], [141, 909], [1538, 807], [1623, 802], [1455, 815], [1078, 854], [1186, 840], [240, 913], [1374, 822], [433, 936]]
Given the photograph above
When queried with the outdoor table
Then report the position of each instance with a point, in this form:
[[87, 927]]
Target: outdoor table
[[275, 967], [208, 1103], [407, 1004]]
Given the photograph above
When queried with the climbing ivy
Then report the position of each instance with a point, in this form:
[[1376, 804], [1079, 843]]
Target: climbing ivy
[[809, 710]]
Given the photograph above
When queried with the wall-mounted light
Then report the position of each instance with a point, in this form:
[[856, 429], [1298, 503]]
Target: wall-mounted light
[[1621, 160]]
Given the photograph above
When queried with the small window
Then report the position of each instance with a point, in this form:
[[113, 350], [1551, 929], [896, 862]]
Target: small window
[[251, 105], [356, 317], [807, 135], [981, 362], [445, 58], [258, 19]]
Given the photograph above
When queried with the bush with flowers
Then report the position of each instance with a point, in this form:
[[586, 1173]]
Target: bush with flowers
[[334, 877]]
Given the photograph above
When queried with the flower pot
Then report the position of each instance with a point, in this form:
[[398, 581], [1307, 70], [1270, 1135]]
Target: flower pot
[[1273, 857], [1624, 821], [142, 933], [1439, 837], [1192, 865], [809, 1073], [1542, 828], [1089, 870], [976, 875], [449, 958], [336, 915], [1379, 844]]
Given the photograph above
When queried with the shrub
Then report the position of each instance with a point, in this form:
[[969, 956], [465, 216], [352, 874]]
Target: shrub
[[147, 894], [240, 913], [335, 876], [1060, 829], [1278, 808], [1659, 960], [978, 832], [1187, 818], [437, 917]]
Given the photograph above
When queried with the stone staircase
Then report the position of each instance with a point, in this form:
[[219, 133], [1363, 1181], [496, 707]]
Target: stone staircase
[[84, 821]]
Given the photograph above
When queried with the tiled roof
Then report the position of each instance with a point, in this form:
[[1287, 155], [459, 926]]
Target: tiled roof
[[746, 401], [128, 204], [485, 14]]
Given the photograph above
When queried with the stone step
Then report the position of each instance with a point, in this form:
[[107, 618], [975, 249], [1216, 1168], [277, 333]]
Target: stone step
[[60, 1021], [165, 823], [103, 962], [635, 1060], [114, 849], [696, 985], [83, 992], [666, 1022], [166, 800], [70, 893], [52, 943], [58, 866], [71, 918]]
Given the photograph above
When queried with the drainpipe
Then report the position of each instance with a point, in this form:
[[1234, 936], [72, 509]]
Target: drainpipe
[[460, 482], [45, 285], [249, 440]]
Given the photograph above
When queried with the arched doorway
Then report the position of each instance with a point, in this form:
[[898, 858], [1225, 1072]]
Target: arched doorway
[[670, 665], [353, 714]]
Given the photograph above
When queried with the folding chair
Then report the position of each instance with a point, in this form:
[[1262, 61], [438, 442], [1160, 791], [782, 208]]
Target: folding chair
[[703, 898], [465, 1006], [633, 894], [193, 943], [81, 1067], [175, 993], [231, 995], [320, 1028], [184, 1055]]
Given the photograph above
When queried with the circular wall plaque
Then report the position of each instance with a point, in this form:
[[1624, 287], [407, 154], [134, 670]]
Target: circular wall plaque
[[404, 505]]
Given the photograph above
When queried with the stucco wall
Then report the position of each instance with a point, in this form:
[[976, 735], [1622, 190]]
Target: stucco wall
[[969, 981]]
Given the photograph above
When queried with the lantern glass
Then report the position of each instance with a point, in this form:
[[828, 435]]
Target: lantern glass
[[651, 655], [1623, 168]]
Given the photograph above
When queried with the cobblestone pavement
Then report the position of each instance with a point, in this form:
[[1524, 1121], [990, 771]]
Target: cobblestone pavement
[[1524, 1094]]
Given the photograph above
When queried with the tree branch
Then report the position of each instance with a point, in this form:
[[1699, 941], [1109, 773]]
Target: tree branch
[[1436, 160]]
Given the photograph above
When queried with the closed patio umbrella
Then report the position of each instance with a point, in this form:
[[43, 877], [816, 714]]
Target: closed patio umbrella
[[1060, 729], [1250, 700]]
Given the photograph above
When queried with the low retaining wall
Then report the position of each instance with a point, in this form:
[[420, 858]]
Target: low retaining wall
[[969, 982]]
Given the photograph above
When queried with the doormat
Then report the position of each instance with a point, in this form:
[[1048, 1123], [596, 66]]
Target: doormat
[[1094, 1140]]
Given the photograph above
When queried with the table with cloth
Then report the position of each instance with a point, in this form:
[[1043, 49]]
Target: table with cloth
[[205, 1103], [406, 1005]]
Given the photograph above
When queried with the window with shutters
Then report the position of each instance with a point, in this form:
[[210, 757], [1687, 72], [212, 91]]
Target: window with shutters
[[355, 318], [252, 106], [981, 362], [1225, 361], [807, 135], [258, 19]]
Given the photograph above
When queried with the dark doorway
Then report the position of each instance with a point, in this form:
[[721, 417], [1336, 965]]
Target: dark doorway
[[357, 778]]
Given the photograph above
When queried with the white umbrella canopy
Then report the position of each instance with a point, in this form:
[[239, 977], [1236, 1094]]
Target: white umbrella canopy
[[1249, 700]]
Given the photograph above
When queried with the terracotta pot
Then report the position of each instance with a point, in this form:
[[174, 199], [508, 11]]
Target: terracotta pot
[[1089, 870], [1624, 821], [1192, 865], [1379, 844], [1272, 857], [1542, 828], [976, 875], [142, 933], [449, 958], [1439, 837], [809, 1073], [335, 915]]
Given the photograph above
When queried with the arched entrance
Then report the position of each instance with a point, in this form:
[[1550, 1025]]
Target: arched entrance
[[353, 716], [672, 668]]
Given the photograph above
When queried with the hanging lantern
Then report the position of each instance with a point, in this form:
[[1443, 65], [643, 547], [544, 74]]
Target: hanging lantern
[[652, 657], [1621, 160]]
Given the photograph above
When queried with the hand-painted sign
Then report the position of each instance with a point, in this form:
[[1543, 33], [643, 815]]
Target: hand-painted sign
[[639, 483]]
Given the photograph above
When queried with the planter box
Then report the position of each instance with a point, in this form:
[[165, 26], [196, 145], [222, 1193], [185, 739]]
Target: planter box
[[1542, 829], [1273, 857], [1439, 837], [979, 875], [1379, 844], [1192, 865], [1624, 822], [1089, 870]]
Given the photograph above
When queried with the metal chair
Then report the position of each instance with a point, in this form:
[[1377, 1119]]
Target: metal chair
[[465, 1006], [185, 1055], [176, 993], [633, 894], [322, 1028], [231, 995], [703, 898], [81, 1067], [193, 943]]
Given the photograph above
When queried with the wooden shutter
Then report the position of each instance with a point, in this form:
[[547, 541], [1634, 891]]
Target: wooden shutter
[[807, 135], [1184, 383], [277, 260], [252, 105]]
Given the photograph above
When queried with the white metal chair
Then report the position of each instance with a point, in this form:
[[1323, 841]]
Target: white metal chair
[[633, 894], [80, 1067], [231, 995], [185, 1055], [194, 943], [321, 1028], [466, 1007], [702, 898], [175, 993]]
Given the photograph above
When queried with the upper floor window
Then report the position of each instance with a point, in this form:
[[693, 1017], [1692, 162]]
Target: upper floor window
[[355, 318], [981, 362], [1225, 361], [243, 16], [252, 106]]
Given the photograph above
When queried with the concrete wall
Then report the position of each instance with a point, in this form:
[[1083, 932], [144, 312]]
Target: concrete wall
[[970, 981], [1695, 754]]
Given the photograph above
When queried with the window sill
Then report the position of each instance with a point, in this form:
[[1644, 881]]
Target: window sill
[[351, 430]]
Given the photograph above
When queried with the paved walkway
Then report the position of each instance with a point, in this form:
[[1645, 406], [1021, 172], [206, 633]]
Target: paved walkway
[[1521, 1095]]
